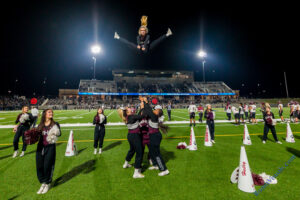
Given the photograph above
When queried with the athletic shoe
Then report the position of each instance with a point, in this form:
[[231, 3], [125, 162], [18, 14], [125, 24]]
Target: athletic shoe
[[22, 154], [100, 151], [95, 151], [15, 154], [116, 36], [278, 142], [213, 141], [138, 175], [153, 168], [163, 173], [150, 162], [169, 32], [126, 165], [46, 188], [41, 189], [264, 142]]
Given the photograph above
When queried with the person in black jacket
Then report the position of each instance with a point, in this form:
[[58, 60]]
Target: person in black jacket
[[143, 38], [210, 116], [46, 150], [99, 133], [269, 118], [134, 139], [24, 122]]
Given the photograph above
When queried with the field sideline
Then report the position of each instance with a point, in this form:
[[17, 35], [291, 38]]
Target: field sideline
[[202, 174]]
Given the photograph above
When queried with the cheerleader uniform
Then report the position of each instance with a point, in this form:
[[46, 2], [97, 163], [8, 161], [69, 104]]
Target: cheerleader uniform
[[228, 112], [46, 154], [246, 108], [268, 118], [209, 116], [24, 126], [99, 131], [200, 110], [280, 109]]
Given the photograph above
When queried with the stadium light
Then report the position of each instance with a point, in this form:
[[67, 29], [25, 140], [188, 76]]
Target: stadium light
[[95, 49], [202, 54]]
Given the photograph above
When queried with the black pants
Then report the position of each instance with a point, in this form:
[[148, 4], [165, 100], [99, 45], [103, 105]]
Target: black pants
[[99, 134], [20, 132], [136, 147], [266, 131], [169, 115], [45, 161], [200, 116], [34, 121], [229, 116], [157, 41], [154, 149], [246, 115], [211, 127], [148, 156]]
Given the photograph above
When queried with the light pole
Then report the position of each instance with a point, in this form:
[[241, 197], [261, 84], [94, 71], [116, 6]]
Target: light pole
[[202, 56], [95, 50]]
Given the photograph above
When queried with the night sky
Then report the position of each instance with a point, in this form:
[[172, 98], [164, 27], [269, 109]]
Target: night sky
[[47, 44]]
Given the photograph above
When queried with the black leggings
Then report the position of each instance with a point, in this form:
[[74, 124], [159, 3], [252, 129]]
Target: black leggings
[[154, 149], [148, 156], [45, 161], [211, 127], [228, 116], [136, 146], [20, 132], [99, 134], [200, 116], [266, 131]]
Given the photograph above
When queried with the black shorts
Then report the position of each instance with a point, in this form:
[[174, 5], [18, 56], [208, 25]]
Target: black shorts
[[252, 115], [280, 113], [192, 115], [241, 116], [237, 116]]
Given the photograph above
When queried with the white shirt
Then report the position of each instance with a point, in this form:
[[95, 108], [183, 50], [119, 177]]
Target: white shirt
[[246, 108], [228, 110], [34, 112], [280, 106], [242, 110], [253, 108], [192, 108], [234, 110]]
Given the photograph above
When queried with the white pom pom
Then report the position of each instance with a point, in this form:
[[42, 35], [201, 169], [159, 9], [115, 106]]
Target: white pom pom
[[161, 119], [102, 117], [24, 117], [52, 134]]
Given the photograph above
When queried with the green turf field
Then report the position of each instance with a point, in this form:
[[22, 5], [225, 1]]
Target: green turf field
[[201, 174]]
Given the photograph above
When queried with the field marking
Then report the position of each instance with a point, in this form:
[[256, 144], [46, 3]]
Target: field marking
[[177, 137]]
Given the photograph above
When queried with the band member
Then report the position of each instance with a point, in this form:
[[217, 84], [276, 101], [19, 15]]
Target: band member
[[228, 111], [209, 115], [200, 111], [99, 132], [241, 112], [192, 110], [269, 125], [35, 115], [144, 45], [236, 114], [155, 125], [169, 108], [46, 150], [246, 109], [280, 111], [134, 140], [23, 123]]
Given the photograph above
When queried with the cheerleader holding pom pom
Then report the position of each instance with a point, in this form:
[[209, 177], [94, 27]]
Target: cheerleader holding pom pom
[[99, 132]]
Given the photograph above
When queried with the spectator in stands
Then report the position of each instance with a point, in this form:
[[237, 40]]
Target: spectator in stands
[[99, 132], [209, 115]]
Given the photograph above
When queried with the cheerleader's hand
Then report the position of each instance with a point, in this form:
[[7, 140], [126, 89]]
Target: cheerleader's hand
[[15, 129], [145, 99], [138, 46], [143, 49]]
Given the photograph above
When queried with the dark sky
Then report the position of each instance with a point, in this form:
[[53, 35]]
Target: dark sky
[[246, 44]]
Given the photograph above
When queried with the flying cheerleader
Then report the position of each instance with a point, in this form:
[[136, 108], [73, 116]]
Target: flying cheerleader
[[144, 45]]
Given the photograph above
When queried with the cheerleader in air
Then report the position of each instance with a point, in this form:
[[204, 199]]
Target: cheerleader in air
[[209, 115], [144, 44], [270, 123], [155, 122], [46, 150], [280, 111], [134, 139], [23, 123], [99, 132]]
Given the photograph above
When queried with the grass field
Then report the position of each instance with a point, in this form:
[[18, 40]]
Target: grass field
[[201, 174]]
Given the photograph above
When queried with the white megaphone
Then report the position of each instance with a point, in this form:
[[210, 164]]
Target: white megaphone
[[193, 145], [71, 147], [289, 134], [207, 139], [246, 137]]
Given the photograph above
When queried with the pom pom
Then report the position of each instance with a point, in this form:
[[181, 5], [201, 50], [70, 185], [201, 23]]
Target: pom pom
[[54, 132], [101, 118], [154, 101], [181, 145], [32, 136], [24, 117]]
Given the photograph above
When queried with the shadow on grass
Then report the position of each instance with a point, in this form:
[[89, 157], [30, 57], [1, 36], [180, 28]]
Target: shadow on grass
[[81, 150], [296, 152], [297, 136], [112, 145], [5, 147], [268, 138], [85, 168], [14, 197], [167, 155]]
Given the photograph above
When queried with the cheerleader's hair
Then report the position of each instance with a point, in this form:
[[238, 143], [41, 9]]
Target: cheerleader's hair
[[122, 113], [144, 23], [164, 128]]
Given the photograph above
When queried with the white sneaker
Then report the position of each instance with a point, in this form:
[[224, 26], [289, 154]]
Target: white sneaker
[[116, 36], [169, 32], [126, 165], [41, 189], [278, 142], [100, 151], [163, 173], [15, 154], [22, 154], [264, 142], [138, 175], [213, 141], [95, 151], [153, 168], [150, 162], [46, 188]]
